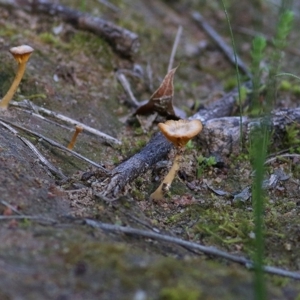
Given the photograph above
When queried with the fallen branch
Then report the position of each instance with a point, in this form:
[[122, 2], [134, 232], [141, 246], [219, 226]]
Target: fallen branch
[[24, 217], [103, 136], [158, 147], [42, 159], [281, 156], [131, 100], [57, 145], [10, 207], [121, 40], [109, 5], [175, 45], [227, 50], [204, 249], [38, 116], [156, 150]]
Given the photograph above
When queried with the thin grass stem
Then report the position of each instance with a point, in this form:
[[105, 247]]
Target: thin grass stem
[[237, 73]]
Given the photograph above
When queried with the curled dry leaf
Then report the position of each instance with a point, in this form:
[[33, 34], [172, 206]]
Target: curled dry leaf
[[162, 100]]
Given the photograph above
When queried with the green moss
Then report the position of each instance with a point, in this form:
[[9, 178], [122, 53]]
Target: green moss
[[175, 218], [179, 293], [230, 83], [92, 45], [137, 194], [190, 145], [140, 143], [203, 164], [130, 147], [177, 188], [8, 31], [95, 253], [225, 226], [139, 131], [49, 38], [115, 160], [34, 96], [25, 223]]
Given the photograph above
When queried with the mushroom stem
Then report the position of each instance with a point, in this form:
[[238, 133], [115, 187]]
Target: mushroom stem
[[21, 69], [78, 129], [165, 185]]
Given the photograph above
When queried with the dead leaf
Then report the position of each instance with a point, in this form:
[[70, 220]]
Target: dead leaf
[[162, 99]]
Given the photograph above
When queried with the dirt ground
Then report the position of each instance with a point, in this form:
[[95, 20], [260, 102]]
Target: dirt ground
[[55, 255]]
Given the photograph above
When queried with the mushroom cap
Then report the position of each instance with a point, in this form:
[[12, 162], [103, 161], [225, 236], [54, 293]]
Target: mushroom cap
[[79, 128], [181, 131], [21, 53]]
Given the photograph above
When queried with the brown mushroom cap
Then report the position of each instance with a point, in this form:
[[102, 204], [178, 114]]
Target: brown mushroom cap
[[21, 53], [181, 131], [79, 128]]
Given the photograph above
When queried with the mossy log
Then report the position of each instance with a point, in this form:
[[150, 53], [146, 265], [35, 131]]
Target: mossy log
[[123, 41]]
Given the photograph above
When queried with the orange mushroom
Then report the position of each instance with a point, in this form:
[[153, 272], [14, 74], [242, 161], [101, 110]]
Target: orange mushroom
[[179, 133], [21, 55], [78, 129]]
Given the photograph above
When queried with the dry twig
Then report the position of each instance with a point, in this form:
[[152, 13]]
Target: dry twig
[[103, 136], [33, 114], [123, 41], [204, 249], [175, 45], [109, 5], [126, 86], [10, 206], [221, 43], [42, 159], [289, 155], [24, 217], [57, 145]]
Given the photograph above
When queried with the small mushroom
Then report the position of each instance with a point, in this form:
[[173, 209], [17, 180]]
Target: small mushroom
[[179, 133], [21, 55], [78, 129]]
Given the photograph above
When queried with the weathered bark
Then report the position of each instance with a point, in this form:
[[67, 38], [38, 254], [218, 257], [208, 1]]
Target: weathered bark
[[158, 147], [221, 137], [156, 150], [123, 41]]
